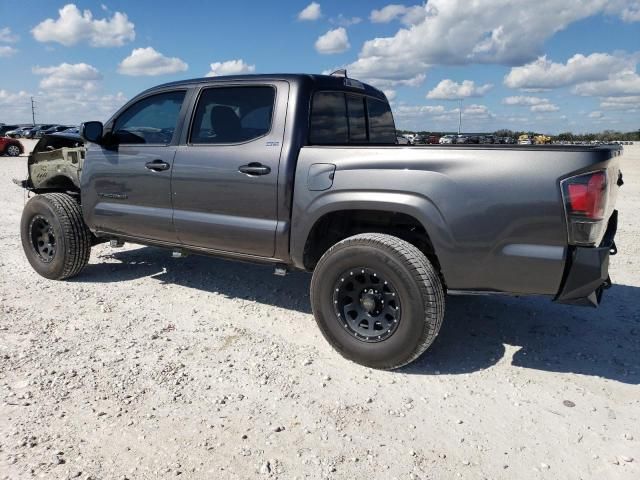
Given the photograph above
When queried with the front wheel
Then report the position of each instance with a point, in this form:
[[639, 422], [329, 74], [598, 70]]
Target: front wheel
[[377, 300], [55, 239]]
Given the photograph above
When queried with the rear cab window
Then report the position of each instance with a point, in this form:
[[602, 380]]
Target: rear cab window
[[344, 118]]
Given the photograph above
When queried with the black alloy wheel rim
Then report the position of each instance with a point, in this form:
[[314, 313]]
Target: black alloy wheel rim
[[366, 304], [43, 239]]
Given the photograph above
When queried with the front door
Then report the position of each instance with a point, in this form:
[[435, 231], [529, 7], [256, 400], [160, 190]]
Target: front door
[[225, 179], [127, 184]]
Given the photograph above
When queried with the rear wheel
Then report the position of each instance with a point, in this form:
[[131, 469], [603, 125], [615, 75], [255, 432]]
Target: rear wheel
[[377, 300], [55, 239], [13, 150]]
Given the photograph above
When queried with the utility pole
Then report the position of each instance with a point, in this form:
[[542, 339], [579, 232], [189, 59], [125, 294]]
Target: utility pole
[[460, 117], [33, 112]]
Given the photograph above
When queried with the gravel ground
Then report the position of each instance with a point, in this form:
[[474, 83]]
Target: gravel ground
[[151, 367]]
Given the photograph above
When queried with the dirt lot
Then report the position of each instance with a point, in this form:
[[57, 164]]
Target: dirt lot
[[151, 367]]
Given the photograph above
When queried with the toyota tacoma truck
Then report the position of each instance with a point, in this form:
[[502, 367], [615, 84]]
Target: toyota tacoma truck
[[302, 172]]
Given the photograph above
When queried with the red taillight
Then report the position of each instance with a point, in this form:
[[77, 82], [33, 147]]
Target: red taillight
[[586, 195]]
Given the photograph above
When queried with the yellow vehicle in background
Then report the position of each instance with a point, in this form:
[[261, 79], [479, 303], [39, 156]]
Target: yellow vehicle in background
[[524, 140], [541, 140]]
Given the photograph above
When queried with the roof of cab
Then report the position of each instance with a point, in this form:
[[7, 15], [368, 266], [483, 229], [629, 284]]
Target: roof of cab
[[316, 82]]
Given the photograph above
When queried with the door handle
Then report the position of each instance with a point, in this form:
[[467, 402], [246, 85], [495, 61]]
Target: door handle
[[157, 165], [254, 168]]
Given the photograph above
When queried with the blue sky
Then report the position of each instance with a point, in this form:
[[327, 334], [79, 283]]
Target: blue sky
[[543, 65]]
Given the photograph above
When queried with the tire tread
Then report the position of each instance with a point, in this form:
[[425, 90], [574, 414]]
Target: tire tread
[[426, 277]]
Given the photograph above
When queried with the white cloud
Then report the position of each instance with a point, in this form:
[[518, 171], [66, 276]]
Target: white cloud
[[419, 110], [477, 111], [70, 107], [6, 36], [545, 107], [67, 76], [622, 84], [621, 103], [73, 27], [536, 104], [544, 73], [407, 15], [449, 90], [148, 61], [596, 114], [343, 21], [230, 67], [6, 51], [459, 32], [524, 101], [311, 12], [631, 13], [390, 94], [334, 41], [8, 98]]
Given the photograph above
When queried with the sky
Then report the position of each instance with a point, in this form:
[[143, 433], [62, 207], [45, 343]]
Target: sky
[[544, 65]]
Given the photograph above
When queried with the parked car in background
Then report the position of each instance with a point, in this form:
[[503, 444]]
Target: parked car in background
[[433, 139], [37, 131], [447, 140], [400, 140], [462, 139], [19, 132], [419, 140], [10, 146], [7, 128], [75, 130], [54, 129]]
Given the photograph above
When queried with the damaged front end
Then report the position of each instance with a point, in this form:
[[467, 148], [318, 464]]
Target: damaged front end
[[55, 164]]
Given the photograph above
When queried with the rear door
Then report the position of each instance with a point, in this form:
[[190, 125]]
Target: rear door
[[126, 186], [225, 176]]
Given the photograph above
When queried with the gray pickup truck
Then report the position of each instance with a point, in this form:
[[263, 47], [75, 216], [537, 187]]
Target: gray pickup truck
[[302, 172]]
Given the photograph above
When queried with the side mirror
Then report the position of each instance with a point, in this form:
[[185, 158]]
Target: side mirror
[[92, 132]]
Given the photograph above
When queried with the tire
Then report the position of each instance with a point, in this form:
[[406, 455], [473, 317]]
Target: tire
[[12, 150], [55, 239], [408, 276]]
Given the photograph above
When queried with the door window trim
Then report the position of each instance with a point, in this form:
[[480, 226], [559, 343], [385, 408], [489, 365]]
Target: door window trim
[[198, 96], [179, 122]]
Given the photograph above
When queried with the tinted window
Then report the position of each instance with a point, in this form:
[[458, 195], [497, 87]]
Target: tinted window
[[381, 126], [328, 119], [357, 119], [151, 120], [338, 118], [232, 114]]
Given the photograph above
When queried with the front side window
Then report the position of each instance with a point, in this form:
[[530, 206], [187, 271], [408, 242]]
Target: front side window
[[152, 120], [233, 114]]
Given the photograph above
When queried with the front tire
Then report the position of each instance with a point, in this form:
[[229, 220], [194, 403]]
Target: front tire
[[377, 300], [55, 239]]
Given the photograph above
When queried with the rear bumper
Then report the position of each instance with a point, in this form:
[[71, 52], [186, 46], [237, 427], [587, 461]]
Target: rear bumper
[[587, 272]]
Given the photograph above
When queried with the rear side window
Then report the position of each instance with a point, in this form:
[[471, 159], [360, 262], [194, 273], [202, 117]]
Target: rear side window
[[329, 119], [381, 126], [357, 119], [339, 118], [233, 114]]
